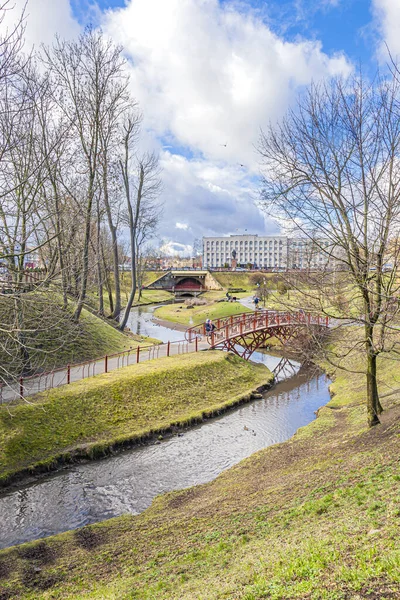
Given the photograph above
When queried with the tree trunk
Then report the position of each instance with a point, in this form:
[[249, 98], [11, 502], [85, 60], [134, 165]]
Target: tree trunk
[[85, 257], [99, 262], [131, 298], [107, 282], [113, 231], [133, 224], [374, 407], [26, 367]]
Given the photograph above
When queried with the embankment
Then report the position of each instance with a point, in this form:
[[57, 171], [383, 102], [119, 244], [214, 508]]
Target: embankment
[[95, 416], [53, 338], [314, 518]]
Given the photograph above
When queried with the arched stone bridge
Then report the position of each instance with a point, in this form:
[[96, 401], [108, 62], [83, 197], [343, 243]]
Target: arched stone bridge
[[252, 330]]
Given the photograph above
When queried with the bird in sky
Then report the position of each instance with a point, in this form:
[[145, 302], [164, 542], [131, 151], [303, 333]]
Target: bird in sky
[[224, 145]]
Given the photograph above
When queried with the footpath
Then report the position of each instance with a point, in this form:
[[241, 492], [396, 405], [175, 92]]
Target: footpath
[[28, 386]]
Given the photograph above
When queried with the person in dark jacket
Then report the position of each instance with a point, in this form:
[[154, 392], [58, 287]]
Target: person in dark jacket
[[209, 327]]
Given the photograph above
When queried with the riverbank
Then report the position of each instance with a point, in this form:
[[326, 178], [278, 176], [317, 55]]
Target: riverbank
[[184, 315], [313, 518], [92, 418]]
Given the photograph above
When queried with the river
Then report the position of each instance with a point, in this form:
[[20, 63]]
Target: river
[[127, 483]]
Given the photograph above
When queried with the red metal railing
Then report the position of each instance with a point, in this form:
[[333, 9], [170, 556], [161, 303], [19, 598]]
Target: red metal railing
[[27, 386], [225, 328], [254, 321]]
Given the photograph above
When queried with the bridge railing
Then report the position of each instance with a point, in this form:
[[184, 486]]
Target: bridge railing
[[260, 319]]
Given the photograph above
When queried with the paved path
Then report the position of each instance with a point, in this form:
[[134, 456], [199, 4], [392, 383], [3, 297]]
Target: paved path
[[39, 383], [32, 385]]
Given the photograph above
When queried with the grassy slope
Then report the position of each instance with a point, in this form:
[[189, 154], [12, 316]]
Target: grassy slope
[[315, 518], [88, 416], [179, 313], [148, 296], [233, 279], [54, 339], [96, 339]]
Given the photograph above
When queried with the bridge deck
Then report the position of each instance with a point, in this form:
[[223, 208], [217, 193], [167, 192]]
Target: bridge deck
[[251, 330]]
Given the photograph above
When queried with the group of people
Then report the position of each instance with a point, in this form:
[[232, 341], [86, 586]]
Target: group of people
[[230, 298]]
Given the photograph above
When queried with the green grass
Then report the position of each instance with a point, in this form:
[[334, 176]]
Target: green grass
[[89, 416], [179, 313], [54, 339], [233, 279], [221, 294], [315, 518], [153, 297]]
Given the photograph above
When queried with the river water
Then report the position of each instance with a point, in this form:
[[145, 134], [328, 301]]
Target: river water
[[127, 483]]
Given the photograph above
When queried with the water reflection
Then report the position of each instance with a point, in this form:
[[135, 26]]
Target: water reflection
[[127, 483], [140, 322]]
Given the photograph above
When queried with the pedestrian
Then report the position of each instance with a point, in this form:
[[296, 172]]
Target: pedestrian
[[256, 301], [209, 327]]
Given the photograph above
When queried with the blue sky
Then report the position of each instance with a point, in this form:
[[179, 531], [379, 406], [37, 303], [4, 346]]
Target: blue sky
[[209, 74], [344, 25]]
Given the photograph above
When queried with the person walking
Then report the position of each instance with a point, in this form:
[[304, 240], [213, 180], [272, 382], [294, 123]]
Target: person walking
[[209, 327]]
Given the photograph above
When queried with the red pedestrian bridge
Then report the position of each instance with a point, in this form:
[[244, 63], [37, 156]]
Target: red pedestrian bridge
[[243, 334]]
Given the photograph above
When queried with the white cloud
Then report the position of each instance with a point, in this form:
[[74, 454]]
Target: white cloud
[[209, 75], [214, 198], [175, 249], [43, 19], [387, 14]]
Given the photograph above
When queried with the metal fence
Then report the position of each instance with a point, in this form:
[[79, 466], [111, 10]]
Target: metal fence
[[27, 386]]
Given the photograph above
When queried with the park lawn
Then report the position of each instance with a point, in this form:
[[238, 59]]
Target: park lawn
[[86, 418], [95, 339], [221, 294], [154, 297], [235, 279], [314, 518], [179, 313]]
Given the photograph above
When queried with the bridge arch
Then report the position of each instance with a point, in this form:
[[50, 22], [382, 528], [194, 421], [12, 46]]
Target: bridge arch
[[251, 331]]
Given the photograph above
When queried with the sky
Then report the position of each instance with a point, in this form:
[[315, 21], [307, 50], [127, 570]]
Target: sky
[[209, 75]]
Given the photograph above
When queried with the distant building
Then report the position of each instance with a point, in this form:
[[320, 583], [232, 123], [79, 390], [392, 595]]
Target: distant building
[[259, 251], [304, 253], [266, 252]]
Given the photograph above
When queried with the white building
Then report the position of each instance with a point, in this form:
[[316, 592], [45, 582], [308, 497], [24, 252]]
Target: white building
[[308, 254], [267, 252], [262, 251]]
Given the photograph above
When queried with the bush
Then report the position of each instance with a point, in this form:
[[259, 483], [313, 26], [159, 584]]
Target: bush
[[282, 288]]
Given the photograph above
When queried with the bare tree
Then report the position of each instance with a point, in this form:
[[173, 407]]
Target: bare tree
[[331, 168], [32, 328], [142, 185], [88, 81]]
